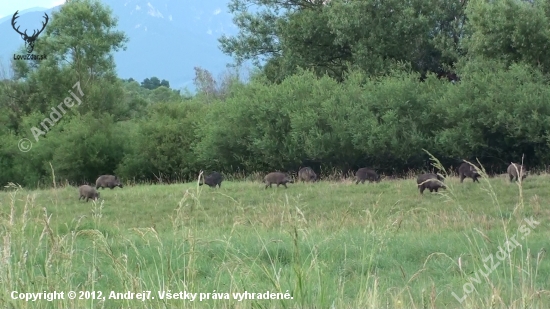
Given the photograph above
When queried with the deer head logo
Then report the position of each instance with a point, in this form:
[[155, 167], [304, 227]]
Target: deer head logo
[[29, 40]]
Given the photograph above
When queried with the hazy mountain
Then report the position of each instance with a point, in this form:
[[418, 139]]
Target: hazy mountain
[[167, 38], [34, 9]]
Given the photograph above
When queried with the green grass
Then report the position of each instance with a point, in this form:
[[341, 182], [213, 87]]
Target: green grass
[[329, 244]]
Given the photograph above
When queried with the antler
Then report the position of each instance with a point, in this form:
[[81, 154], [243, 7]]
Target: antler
[[43, 27], [13, 24], [34, 34]]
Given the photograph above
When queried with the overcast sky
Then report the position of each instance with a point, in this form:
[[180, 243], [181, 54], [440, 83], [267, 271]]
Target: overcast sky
[[8, 7]]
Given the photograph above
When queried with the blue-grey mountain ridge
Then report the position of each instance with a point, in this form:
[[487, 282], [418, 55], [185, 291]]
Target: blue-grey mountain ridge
[[167, 38]]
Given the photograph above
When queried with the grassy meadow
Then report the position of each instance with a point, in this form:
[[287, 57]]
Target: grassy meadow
[[331, 244]]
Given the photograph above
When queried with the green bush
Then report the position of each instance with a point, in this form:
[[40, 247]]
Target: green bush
[[496, 113]]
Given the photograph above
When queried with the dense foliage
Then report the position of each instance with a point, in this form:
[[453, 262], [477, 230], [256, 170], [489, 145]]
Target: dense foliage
[[345, 84]]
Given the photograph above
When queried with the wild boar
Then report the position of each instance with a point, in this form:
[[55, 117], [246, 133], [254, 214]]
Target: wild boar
[[432, 182], [213, 180], [108, 181], [364, 173], [277, 178], [307, 174], [514, 169], [467, 170], [88, 193]]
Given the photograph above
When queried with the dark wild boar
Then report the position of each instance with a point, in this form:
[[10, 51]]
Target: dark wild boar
[[277, 178], [87, 192], [108, 181], [432, 182], [307, 174], [514, 169], [364, 173], [467, 170], [213, 180]]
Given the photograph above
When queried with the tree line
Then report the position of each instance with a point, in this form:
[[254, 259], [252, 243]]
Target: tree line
[[338, 85]]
